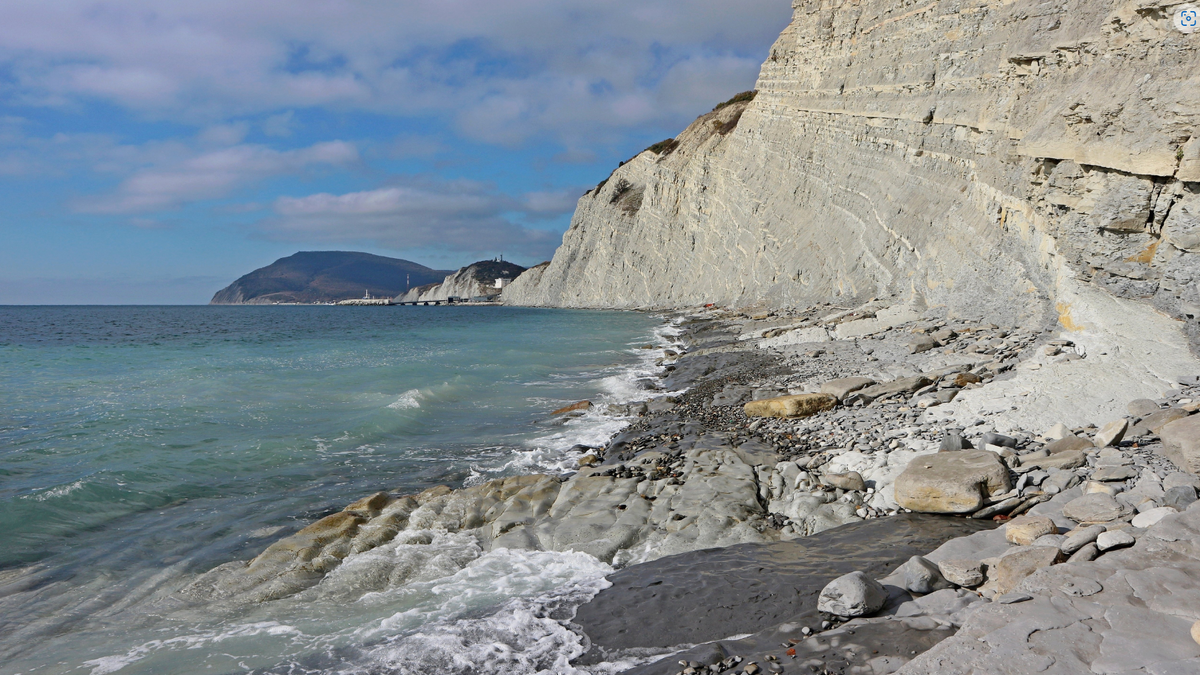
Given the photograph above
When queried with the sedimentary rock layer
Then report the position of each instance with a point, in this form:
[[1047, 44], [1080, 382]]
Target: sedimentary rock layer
[[473, 281], [998, 158]]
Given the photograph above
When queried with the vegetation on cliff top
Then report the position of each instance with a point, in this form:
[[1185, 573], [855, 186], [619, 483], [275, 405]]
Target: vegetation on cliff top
[[667, 146], [744, 97]]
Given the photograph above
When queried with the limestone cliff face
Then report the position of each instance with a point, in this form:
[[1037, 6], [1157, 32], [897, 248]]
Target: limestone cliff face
[[473, 281], [998, 158]]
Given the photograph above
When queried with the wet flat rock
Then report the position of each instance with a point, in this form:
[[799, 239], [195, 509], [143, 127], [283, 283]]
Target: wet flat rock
[[868, 646], [714, 593]]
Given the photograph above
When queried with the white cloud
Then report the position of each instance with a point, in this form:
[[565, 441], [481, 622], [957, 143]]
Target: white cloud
[[454, 215], [407, 145], [281, 125], [506, 71], [212, 175], [225, 134]]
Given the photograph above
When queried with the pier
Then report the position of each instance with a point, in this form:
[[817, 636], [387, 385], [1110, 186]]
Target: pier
[[362, 302]]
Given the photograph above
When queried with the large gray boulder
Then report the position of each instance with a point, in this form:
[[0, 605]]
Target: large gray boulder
[[951, 482], [853, 594], [1153, 424], [1181, 443], [1097, 507]]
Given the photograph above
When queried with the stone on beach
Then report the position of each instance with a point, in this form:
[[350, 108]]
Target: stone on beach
[[1086, 553], [799, 405], [1114, 539], [923, 576], [1024, 530], [1150, 518], [1054, 540], [850, 595], [1071, 459], [1154, 423], [1112, 433], [992, 438], [1179, 497], [953, 441], [1097, 507], [843, 387], [1113, 473], [574, 407], [1196, 632], [1181, 443], [1080, 537], [1067, 444], [1180, 478], [922, 343], [851, 480], [1092, 486], [1019, 563], [904, 385], [965, 573], [963, 379], [1058, 432], [1142, 407], [951, 482]]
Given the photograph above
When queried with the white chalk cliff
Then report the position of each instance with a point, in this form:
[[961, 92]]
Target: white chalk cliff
[[473, 281], [972, 153], [1020, 161]]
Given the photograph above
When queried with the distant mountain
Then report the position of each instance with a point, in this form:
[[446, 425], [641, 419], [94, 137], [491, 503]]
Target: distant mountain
[[473, 281], [326, 276]]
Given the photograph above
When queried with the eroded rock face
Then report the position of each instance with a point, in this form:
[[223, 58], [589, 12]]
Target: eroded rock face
[[951, 482], [971, 153]]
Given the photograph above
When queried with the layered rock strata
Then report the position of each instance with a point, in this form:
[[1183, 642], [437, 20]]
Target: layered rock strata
[[1016, 160], [477, 280]]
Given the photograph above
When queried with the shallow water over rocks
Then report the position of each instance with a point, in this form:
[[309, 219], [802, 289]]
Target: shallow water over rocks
[[717, 593]]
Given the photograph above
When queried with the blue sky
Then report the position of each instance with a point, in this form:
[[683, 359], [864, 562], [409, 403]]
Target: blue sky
[[152, 151]]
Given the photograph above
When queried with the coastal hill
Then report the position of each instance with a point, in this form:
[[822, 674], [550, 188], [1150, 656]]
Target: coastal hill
[[326, 276], [473, 281]]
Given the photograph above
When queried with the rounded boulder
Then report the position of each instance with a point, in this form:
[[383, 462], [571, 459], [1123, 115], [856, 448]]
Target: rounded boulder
[[850, 595], [951, 482]]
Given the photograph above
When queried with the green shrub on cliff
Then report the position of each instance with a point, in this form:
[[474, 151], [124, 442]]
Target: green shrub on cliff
[[742, 97]]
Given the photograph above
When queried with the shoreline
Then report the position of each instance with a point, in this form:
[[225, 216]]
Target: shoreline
[[693, 476]]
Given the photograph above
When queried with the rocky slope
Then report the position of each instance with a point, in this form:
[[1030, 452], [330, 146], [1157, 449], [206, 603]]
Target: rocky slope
[[1020, 161], [325, 276], [474, 280]]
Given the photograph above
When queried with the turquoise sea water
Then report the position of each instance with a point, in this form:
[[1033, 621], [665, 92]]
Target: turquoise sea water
[[142, 446]]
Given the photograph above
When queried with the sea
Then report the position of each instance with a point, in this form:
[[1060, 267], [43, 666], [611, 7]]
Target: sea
[[142, 446]]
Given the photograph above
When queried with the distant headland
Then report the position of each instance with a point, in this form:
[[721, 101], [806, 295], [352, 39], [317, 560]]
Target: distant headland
[[319, 277], [326, 276]]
